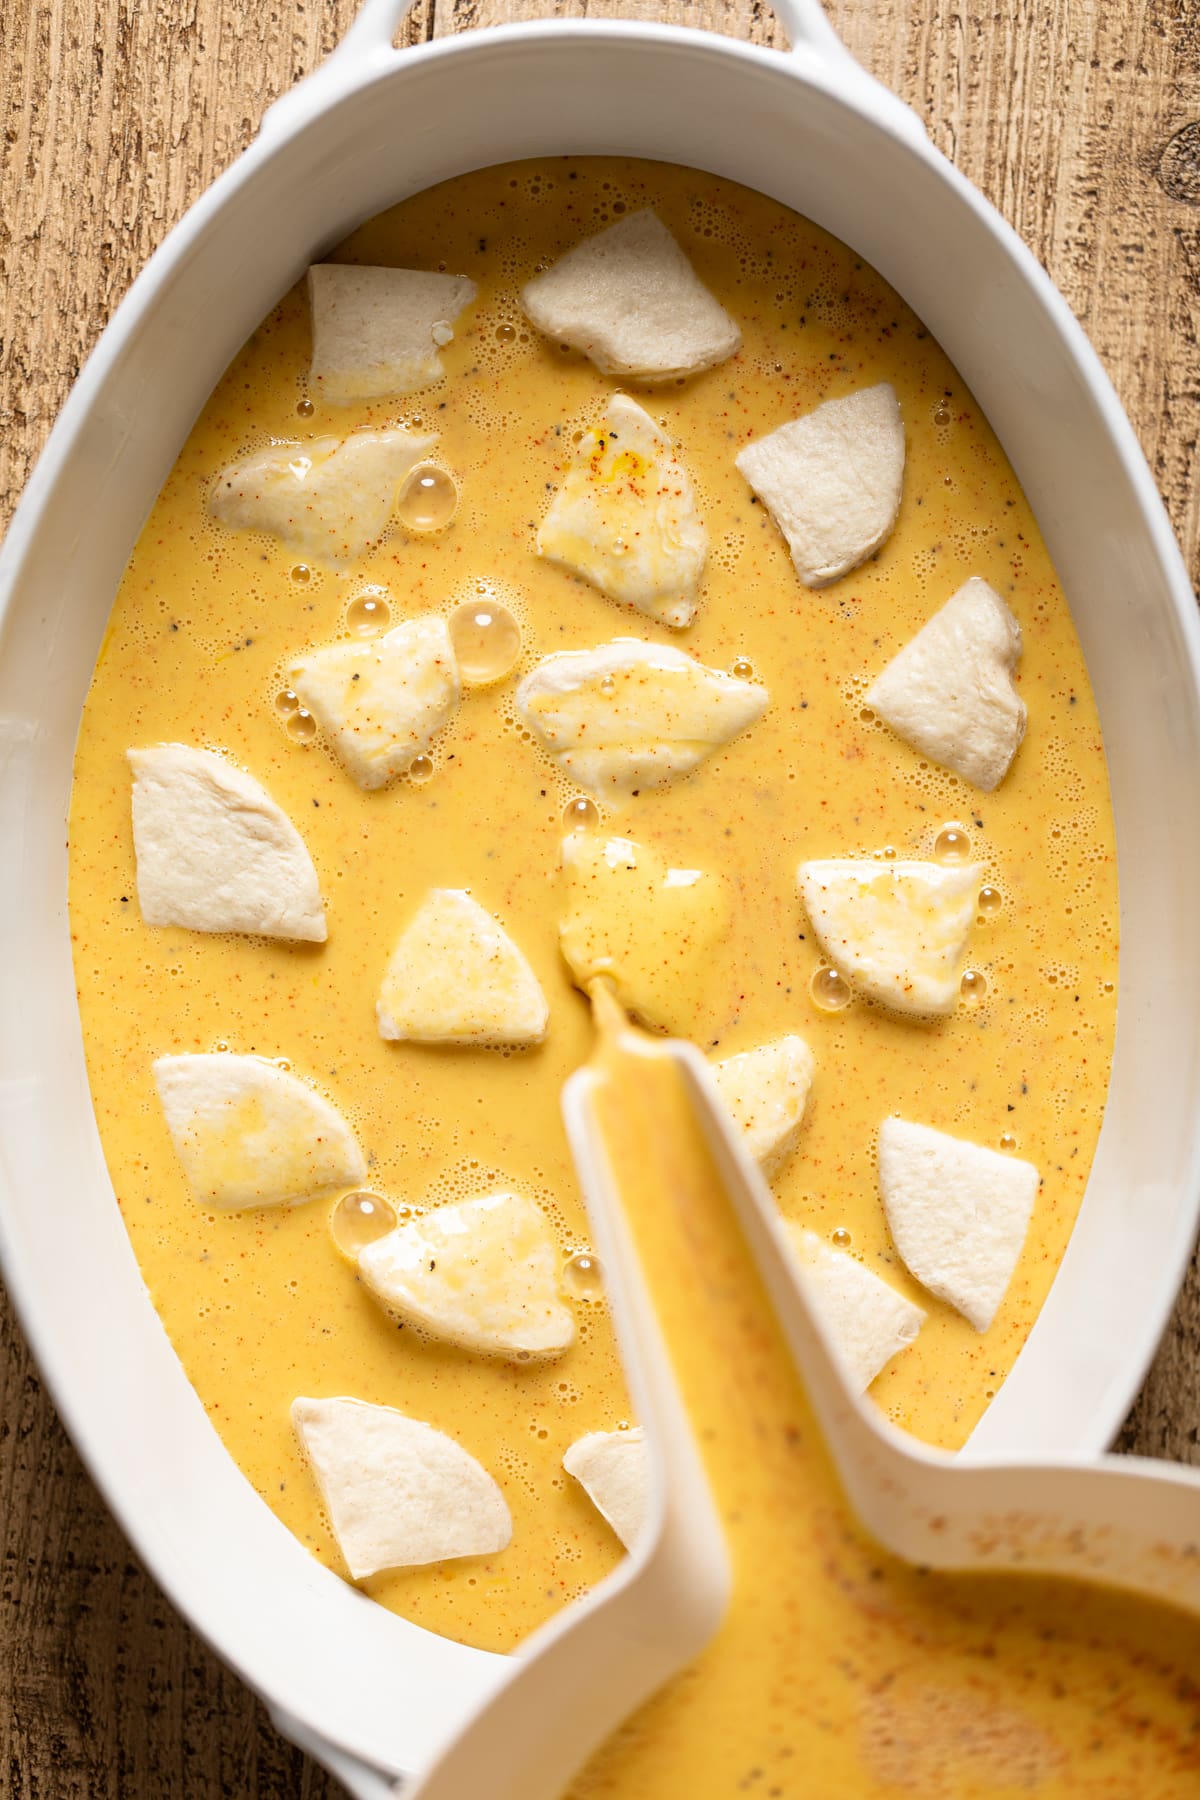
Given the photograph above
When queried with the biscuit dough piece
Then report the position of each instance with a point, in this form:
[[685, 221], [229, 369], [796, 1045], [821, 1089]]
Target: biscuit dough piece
[[381, 702], [625, 517], [832, 481], [897, 931], [653, 931], [251, 1134], [950, 694], [482, 1274], [398, 1493], [214, 852], [958, 1214], [456, 977], [377, 331], [631, 715], [867, 1320], [630, 300], [613, 1469], [766, 1091], [329, 499]]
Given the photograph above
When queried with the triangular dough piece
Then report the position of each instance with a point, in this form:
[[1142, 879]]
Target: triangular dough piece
[[613, 1469], [958, 1214], [832, 481], [482, 1274], [630, 715], [250, 1134], [329, 499], [949, 693], [377, 331], [897, 931], [868, 1321], [398, 1493], [456, 977], [215, 853], [625, 517], [380, 703], [766, 1091], [631, 301], [653, 931]]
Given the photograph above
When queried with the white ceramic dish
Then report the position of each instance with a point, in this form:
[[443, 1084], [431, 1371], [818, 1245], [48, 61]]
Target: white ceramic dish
[[814, 131]]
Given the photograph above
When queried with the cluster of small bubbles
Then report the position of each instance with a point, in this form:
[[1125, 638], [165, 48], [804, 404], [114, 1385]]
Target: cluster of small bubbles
[[287, 701], [305, 409], [952, 845], [581, 814], [990, 901], [368, 612], [973, 986], [924, 562], [583, 1277], [841, 1237], [428, 499], [486, 639], [302, 573], [357, 1219], [941, 414], [301, 725], [829, 990]]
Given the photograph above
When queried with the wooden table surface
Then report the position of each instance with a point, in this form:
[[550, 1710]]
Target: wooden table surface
[[1080, 119]]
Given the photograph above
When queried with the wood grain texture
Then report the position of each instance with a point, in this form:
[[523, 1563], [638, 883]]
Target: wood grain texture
[[1078, 118]]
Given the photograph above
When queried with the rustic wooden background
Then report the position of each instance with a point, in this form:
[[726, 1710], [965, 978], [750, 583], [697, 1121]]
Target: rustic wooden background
[[1079, 118]]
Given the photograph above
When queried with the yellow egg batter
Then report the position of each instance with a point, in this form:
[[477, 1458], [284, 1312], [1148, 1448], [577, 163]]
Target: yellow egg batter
[[260, 1306], [840, 1673]]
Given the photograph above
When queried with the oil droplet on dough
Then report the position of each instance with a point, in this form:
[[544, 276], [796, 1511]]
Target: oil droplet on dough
[[428, 500], [287, 701], [1007, 1141], [841, 1238], [952, 845], [990, 900], [305, 408], [302, 726], [486, 639], [830, 991], [583, 1277], [581, 814], [301, 572], [357, 1220], [743, 668], [368, 612], [420, 768]]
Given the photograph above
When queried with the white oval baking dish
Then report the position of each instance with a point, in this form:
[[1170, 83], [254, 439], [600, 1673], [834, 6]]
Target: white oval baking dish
[[812, 130]]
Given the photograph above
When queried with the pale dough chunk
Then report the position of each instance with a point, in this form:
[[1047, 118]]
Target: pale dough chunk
[[631, 301], [957, 1213], [398, 1493], [482, 1274], [377, 331], [456, 977], [831, 481], [766, 1091], [868, 1321], [630, 715], [613, 1469], [625, 517], [897, 931], [949, 693], [329, 499], [214, 852], [382, 702], [651, 930], [250, 1134]]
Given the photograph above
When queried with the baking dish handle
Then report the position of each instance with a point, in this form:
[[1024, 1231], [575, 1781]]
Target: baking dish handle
[[371, 38]]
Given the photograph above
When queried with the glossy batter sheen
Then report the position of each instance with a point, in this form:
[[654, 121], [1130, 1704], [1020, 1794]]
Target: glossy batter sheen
[[260, 1306], [840, 1673]]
